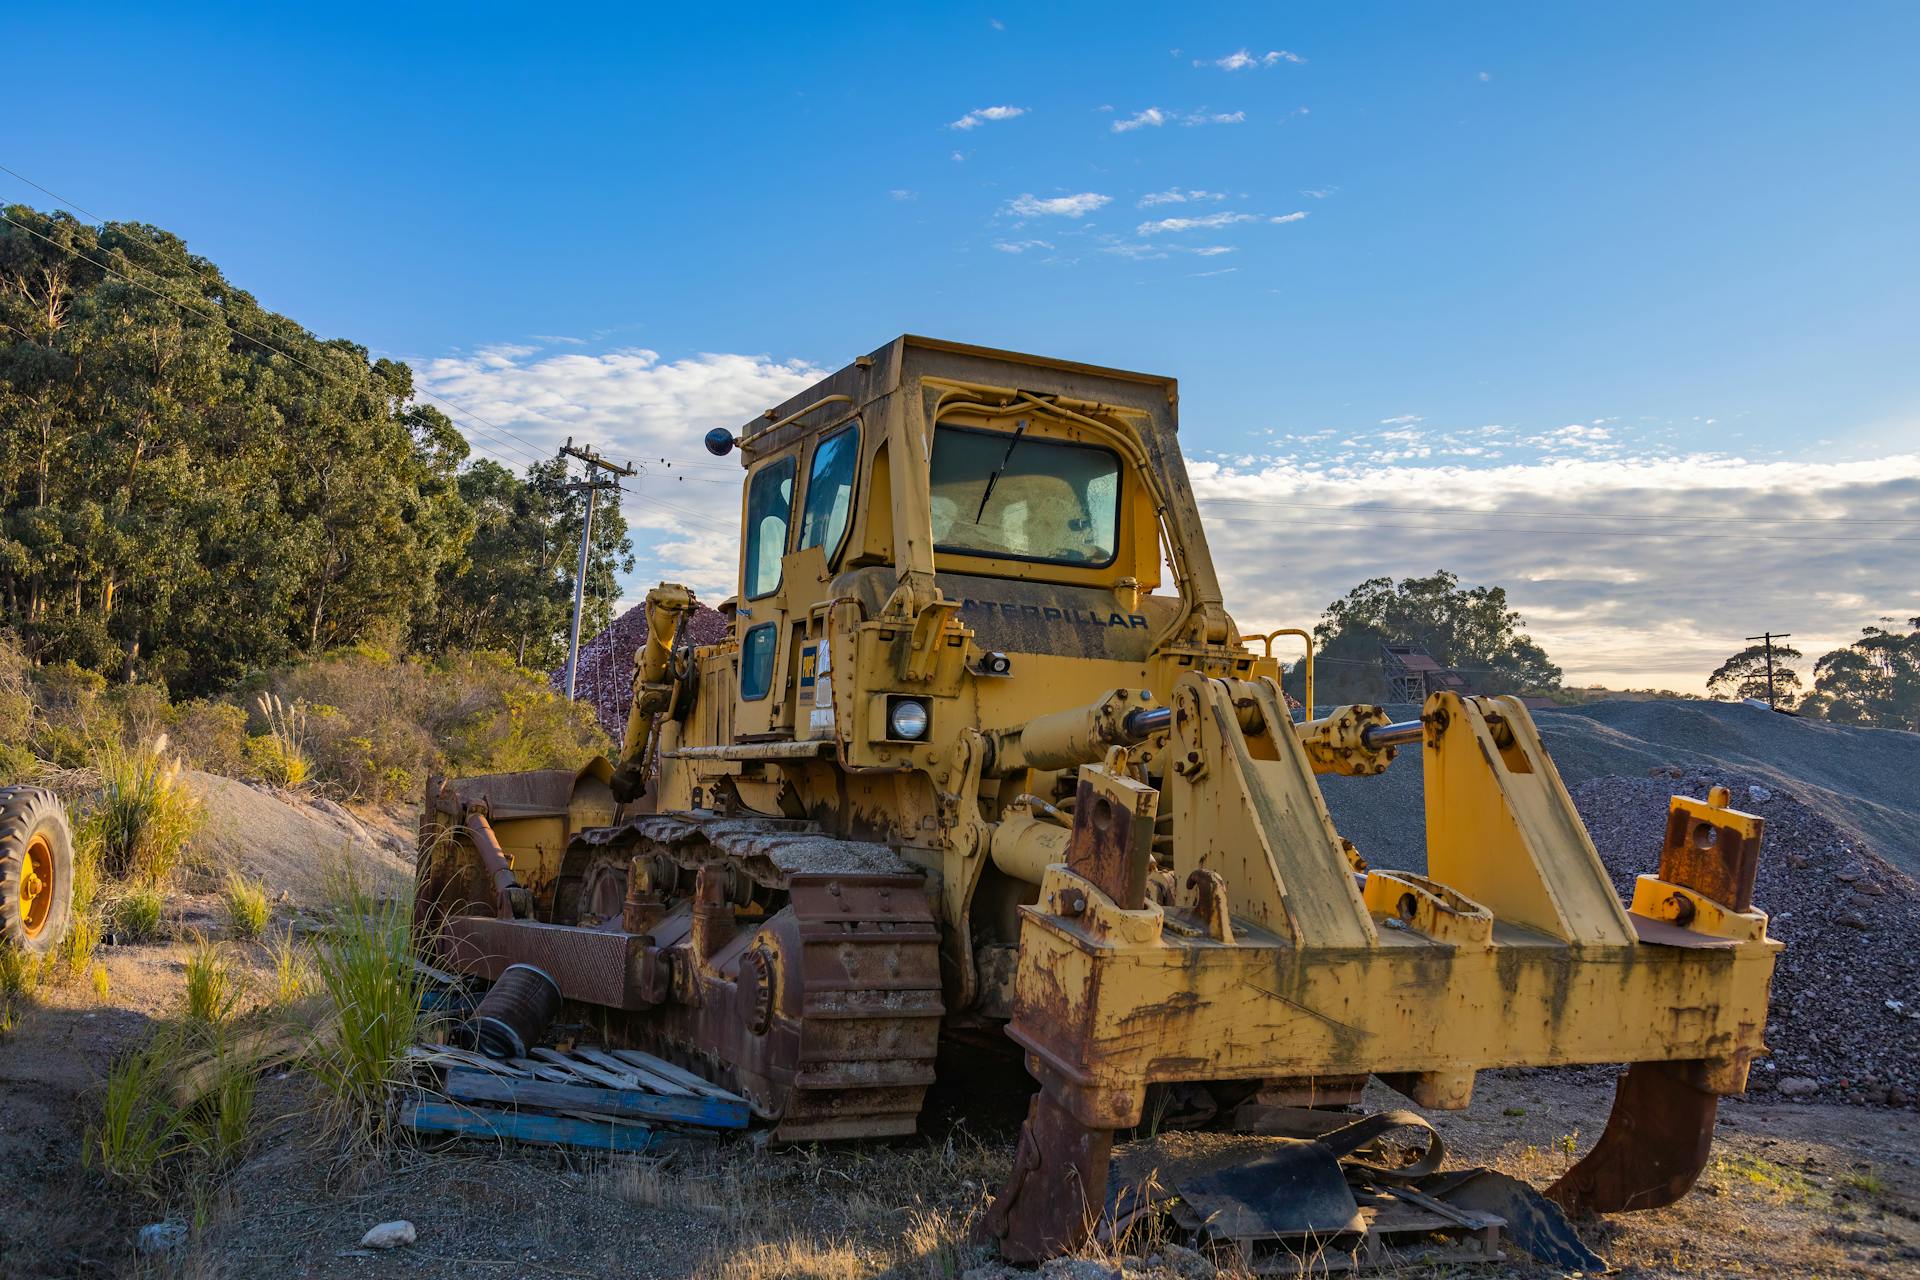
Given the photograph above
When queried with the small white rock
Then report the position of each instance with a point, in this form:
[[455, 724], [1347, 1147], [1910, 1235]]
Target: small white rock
[[161, 1237], [389, 1235], [1896, 1005], [1797, 1086], [1759, 793]]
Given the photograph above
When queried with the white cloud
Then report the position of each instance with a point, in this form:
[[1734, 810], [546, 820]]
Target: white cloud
[[1223, 271], [1221, 117], [901, 193], [1485, 76], [1319, 193], [1189, 224], [1212, 250], [1241, 60], [1074, 206], [1152, 116], [1020, 246], [981, 115], [996, 24], [1176, 196], [1295, 216], [1405, 419], [1632, 598]]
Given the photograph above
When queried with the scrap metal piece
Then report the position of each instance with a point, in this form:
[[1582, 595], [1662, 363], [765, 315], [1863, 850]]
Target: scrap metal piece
[[1534, 1224], [1655, 1144], [1297, 1188], [514, 1012]]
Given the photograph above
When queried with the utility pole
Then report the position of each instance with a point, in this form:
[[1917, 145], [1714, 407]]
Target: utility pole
[[591, 487], [1768, 640]]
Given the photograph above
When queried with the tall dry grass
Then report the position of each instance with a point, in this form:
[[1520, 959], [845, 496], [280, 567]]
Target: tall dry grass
[[145, 815]]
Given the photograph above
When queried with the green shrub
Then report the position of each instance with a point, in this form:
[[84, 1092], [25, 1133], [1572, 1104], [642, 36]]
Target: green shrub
[[137, 912], [83, 934], [280, 752], [146, 814], [20, 972], [246, 906], [213, 735]]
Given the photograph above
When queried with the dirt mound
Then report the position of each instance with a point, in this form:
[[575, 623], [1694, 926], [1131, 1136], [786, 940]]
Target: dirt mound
[[294, 843], [1845, 1015]]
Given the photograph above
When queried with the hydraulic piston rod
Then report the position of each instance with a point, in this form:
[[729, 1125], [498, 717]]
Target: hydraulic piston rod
[[1398, 734]]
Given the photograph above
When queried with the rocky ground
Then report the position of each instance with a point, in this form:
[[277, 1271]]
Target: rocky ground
[[1845, 1017]]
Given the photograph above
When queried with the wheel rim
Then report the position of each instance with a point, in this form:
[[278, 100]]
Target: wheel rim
[[37, 885]]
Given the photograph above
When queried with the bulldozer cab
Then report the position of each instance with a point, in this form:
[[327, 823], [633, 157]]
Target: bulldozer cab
[[1044, 503]]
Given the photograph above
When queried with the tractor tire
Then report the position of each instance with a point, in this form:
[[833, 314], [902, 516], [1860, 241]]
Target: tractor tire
[[36, 869]]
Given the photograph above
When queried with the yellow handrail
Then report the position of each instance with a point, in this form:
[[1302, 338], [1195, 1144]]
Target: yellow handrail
[[1307, 637]]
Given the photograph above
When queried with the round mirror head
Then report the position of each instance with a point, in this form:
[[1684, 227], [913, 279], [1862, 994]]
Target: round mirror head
[[719, 442]]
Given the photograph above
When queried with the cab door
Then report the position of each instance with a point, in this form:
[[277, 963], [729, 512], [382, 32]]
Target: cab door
[[778, 650], [761, 614]]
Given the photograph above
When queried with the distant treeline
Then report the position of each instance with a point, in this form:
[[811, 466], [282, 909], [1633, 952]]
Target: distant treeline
[[193, 488]]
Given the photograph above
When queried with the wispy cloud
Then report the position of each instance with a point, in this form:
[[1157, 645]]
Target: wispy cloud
[[1404, 420], [1020, 246], [1152, 117], [1074, 206], [1318, 193], [1222, 271], [1242, 60], [981, 115], [901, 193], [1204, 221], [1176, 196]]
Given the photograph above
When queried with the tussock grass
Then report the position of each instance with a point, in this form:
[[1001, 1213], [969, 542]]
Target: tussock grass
[[154, 1145], [365, 972], [246, 906], [293, 975], [214, 984], [146, 817], [137, 913], [102, 984], [85, 928], [20, 972]]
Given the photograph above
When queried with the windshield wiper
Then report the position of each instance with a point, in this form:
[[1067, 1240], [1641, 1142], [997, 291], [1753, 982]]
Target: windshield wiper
[[1019, 429]]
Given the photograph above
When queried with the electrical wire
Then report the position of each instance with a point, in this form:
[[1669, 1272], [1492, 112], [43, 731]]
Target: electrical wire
[[1559, 515]]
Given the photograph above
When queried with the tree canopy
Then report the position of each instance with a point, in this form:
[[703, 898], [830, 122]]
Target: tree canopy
[[193, 487], [1875, 680], [1468, 628], [1744, 675]]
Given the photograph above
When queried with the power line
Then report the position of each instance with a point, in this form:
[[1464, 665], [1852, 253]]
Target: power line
[[499, 434], [1560, 515], [1662, 534]]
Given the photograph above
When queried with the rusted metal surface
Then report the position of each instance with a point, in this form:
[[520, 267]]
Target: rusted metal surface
[[1058, 1186], [1655, 1144], [506, 889], [1712, 849], [620, 970], [1112, 839], [514, 1013]]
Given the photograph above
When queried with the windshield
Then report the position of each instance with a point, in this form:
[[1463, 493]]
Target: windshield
[[1049, 500]]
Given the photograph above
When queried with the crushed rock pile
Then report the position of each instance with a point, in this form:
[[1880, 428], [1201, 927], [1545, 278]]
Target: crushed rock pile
[[606, 661], [1844, 1024]]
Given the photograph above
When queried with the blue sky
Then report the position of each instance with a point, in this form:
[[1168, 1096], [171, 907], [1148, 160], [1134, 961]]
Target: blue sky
[[1650, 264]]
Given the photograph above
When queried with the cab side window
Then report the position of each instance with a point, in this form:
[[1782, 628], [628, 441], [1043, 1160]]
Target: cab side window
[[823, 519], [769, 507]]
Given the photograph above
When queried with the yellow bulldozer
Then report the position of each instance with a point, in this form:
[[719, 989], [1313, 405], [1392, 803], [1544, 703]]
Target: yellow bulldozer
[[984, 753]]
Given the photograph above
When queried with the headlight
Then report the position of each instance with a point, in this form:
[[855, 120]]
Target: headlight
[[907, 719]]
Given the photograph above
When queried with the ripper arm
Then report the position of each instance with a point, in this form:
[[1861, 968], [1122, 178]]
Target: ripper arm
[[653, 687]]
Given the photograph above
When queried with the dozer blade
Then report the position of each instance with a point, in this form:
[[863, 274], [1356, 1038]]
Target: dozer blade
[[1655, 1144]]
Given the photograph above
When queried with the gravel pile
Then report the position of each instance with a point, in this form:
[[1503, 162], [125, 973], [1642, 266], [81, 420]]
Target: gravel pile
[[606, 662], [1844, 1023]]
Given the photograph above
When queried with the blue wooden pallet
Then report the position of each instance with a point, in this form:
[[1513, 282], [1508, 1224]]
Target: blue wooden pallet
[[527, 1126], [615, 1100]]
